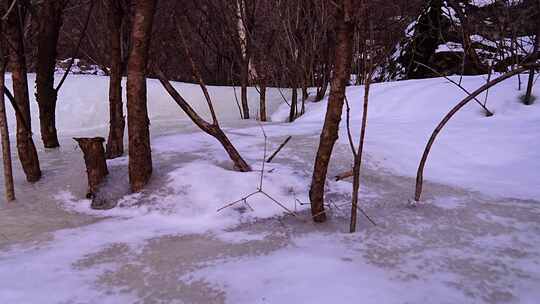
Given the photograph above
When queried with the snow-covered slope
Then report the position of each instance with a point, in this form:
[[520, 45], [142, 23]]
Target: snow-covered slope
[[169, 244], [83, 103], [498, 155]]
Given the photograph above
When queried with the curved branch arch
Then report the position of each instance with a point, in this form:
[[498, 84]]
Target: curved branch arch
[[454, 110]]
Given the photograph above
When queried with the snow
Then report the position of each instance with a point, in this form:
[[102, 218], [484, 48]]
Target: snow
[[288, 275], [449, 47], [83, 104], [473, 239], [497, 155]]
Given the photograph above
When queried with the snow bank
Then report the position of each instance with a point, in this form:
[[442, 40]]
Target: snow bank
[[497, 155], [83, 103], [195, 189]]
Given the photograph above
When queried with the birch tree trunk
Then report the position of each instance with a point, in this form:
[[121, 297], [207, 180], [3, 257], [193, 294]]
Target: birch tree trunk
[[140, 155], [329, 133]]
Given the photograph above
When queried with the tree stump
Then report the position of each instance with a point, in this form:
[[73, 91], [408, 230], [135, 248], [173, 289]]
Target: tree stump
[[94, 159]]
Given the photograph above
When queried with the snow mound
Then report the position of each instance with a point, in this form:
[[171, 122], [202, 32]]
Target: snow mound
[[498, 155]]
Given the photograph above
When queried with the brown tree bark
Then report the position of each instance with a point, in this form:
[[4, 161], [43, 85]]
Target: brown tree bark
[[329, 133], [94, 159], [359, 153], [25, 144], [305, 96], [212, 129], [527, 99], [294, 103], [262, 101], [96, 169], [115, 141], [140, 155], [4, 133], [327, 67], [244, 80], [50, 22], [321, 92]]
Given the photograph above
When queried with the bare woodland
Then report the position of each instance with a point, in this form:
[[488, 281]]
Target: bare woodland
[[247, 43]]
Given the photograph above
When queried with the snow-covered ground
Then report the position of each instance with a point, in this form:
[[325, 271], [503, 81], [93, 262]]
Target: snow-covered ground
[[475, 239]]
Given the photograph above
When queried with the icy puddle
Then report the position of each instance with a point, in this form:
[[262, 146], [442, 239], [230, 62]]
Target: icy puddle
[[170, 245]]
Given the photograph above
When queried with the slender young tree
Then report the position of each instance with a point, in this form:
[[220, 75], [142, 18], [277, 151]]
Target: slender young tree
[[140, 155], [50, 21], [25, 144], [245, 54], [329, 133], [4, 132], [115, 141]]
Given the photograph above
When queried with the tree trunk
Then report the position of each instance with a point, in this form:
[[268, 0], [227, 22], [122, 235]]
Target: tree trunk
[[50, 22], [329, 134], [262, 102], [244, 79], [294, 103], [94, 159], [305, 96], [115, 141], [239, 163], [528, 100], [322, 90], [140, 156], [327, 70], [4, 133], [211, 129], [25, 144], [358, 155], [96, 170]]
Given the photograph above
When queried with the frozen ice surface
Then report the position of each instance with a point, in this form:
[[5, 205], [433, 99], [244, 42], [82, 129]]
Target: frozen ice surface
[[475, 238]]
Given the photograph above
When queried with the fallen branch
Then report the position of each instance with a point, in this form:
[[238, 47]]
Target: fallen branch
[[344, 175], [346, 204], [279, 149]]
